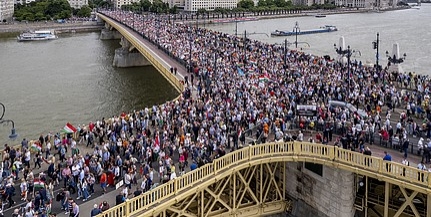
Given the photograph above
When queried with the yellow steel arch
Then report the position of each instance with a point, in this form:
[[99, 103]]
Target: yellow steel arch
[[164, 196]]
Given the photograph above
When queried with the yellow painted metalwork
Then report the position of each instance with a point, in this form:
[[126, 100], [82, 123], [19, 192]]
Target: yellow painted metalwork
[[164, 69], [131, 48], [386, 210], [163, 196], [408, 202]]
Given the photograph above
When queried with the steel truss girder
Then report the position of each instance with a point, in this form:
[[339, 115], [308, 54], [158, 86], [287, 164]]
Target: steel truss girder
[[255, 190], [397, 199], [408, 202]]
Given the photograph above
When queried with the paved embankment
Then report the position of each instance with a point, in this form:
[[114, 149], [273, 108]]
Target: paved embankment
[[58, 27]]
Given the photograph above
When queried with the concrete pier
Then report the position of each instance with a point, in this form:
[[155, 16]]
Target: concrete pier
[[127, 57], [107, 34]]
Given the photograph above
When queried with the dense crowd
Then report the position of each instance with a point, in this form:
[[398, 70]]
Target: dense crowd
[[242, 87], [244, 82]]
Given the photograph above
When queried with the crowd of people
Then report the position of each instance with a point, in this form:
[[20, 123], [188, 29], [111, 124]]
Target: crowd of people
[[243, 88]]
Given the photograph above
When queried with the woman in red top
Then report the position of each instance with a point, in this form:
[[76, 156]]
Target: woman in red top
[[103, 181]]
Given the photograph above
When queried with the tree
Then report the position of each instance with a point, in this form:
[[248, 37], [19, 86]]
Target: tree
[[201, 11], [41, 9], [246, 4], [85, 11], [39, 16], [220, 10], [280, 3], [261, 3], [173, 10], [146, 5]]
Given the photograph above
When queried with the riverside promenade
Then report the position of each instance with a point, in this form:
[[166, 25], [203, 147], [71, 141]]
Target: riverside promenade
[[77, 26]]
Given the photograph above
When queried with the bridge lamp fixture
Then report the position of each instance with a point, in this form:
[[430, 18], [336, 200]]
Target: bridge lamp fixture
[[13, 135], [394, 59]]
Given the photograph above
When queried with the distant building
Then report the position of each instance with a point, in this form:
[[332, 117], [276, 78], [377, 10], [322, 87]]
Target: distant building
[[195, 5], [308, 2], [24, 1], [6, 10], [119, 3], [77, 3], [354, 3], [179, 3]]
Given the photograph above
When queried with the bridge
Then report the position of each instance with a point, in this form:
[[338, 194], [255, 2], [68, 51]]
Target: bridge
[[278, 178]]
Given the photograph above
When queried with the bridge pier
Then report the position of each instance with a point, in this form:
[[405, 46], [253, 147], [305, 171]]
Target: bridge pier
[[108, 34], [327, 192], [128, 56]]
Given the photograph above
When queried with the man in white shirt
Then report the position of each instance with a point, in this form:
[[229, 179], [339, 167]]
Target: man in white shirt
[[75, 172]]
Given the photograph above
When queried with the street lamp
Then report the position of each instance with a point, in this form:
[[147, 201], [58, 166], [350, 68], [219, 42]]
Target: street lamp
[[376, 47], [190, 55], [285, 54], [245, 46], [13, 134], [394, 59], [347, 53], [296, 29]]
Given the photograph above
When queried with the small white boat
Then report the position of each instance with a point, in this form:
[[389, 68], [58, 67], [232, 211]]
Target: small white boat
[[320, 16], [37, 36]]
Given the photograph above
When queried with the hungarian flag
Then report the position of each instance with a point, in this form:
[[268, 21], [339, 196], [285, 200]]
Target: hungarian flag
[[263, 78], [36, 147], [38, 184], [157, 140], [69, 128]]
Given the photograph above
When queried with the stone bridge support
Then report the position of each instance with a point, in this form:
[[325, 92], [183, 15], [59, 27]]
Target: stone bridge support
[[329, 192], [128, 56], [109, 33]]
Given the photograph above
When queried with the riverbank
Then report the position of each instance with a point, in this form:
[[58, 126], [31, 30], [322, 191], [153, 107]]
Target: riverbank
[[301, 14], [16, 28]]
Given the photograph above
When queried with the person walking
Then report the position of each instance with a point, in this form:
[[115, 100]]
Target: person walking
[[95, 211], [75, 209]]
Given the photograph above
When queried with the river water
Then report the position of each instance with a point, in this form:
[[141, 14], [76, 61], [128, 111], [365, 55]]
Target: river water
[[46, 84], [409, 28]]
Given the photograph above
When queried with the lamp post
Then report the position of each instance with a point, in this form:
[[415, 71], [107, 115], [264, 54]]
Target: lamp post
[[13, 134], [245, 46], [376, 47], [215, 56], [394, 59], [347, 53], [190, 55], [285, 53], [236, 28], [296, 29], [286, 45]]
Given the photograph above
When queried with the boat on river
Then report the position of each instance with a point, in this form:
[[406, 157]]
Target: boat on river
[[296, 30], [320, 16], [41, 35]]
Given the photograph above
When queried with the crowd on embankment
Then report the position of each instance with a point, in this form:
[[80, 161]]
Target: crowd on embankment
[[240, 85]]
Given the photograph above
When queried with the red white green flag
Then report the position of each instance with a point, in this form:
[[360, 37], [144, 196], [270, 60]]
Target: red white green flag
[[263, 78], [69, 128]]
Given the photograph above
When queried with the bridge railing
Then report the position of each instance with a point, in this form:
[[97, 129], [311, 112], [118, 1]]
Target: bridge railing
[[164, 69], [291, 151]]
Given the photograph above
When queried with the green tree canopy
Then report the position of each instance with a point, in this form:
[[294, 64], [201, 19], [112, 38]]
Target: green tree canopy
[[41, 9], [146, 5], [246, 4], [85, 11]]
